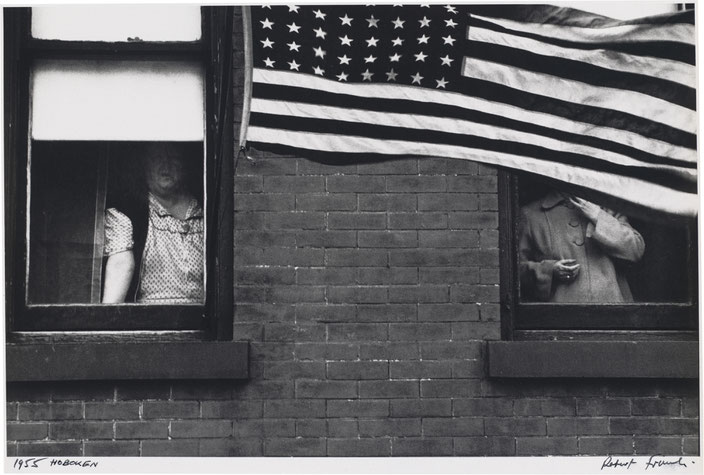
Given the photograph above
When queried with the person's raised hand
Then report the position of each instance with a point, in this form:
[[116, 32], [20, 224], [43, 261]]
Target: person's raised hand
[[589, 209]]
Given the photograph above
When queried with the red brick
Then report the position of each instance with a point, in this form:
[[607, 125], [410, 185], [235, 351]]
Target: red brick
[[690, 446], [655, 407], [419, 369], [386, 276], [448, 312], [404, 166], [170, 409], [449, 350], [11, 411], [447, 166], [489, 276], [421, 408], [294, 369], [488, 202], [357, 370], [406, 184], [141, 430], [265, 275], [389, 389], [112, 448], [357, 294], [389, 350], [266, 166], [326, 351], [27, 430], [489, 239], [386, 312], [482, 407], [291, 332], [443, 257], [490, 313], [658, 445], [326, 239], [456, 388], [690, 407], [386, 202], [325, 312], [469, 369], [264, 239], [447, 202], [485, 446], [326, 202], [606, 445], [297, 447], [342, 427], [473, 220], [111, 411], [545, 407], [474, 293], [299, 220], [80, 430], [578, 426], [419, 331], [357, 331], [50, 411], [379, 239], [421, 447], [49, 449], [250, 220], [170, 448], [310, 427], [358, 408], [200, 429], [203, 390], [516, 426], [389, 427], [355, 257], [326, 389], [419, 294], [271, 351], [355, 184], [476, 184], [356, 221], [230, 448], [266, 202], [482, 331], [257, 428], [424, 220], [293, 184], [443, 239], [309, 167], [260, 389], [446, 275], [546, 445], [358, 447], [653, 426], [455, 427], [325, 275], [248, 184], [306, 408]]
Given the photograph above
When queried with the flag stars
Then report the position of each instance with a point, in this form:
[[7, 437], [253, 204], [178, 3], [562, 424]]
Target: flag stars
[[346, 20], [424, 23], [320, 15], [345, 40], [344, 59], [293, 8], [369, 59], [450, 23], [318, 71], [293, 46], [294, 65], [397, 42], [372, 22], [398, 23], [416, 78], [319, 52], [342, 76], [319, 33], [423, 39], [449, 40], [451, 9], [421, 56], [367, 76], [266, 24], [391, 75], [446, 61], [267, 43], [441, 83], [269, 62], [371, 42], [293, 28], [395, 58]]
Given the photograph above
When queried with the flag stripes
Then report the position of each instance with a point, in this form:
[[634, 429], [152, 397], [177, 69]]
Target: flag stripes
[[583, 99]]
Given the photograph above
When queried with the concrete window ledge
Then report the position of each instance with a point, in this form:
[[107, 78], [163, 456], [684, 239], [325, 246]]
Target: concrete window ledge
[[593, 359], [127, 361]]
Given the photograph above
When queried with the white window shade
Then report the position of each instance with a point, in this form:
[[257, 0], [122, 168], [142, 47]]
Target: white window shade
[[117, 22], [117, 100]]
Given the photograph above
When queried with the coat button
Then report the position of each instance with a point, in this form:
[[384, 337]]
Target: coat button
[[574, 223], [579, 242]]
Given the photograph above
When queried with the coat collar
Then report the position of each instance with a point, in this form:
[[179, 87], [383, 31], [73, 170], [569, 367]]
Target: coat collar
[[552, 199]]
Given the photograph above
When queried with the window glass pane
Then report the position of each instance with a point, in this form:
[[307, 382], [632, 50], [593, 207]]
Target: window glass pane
[[117, 22], [566, 256], [117, 100], [140, 201]]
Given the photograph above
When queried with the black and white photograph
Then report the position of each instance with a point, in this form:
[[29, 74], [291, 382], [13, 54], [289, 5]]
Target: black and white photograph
[[443, 236]]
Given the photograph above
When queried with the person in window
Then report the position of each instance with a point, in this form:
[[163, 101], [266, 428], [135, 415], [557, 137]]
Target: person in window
[[572, 250], [155, 250]]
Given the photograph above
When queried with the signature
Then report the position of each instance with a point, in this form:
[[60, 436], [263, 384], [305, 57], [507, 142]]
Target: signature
[[654, 462], [34, 462]]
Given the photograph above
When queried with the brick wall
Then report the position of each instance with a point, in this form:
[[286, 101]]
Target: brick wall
[[368, 292]]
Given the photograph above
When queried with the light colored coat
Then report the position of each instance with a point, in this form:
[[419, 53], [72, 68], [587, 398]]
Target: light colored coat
[[552, 229]]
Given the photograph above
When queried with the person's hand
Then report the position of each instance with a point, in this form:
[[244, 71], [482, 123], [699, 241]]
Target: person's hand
[[589, 209], [565, 270]]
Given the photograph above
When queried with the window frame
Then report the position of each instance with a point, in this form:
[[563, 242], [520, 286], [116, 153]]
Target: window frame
[[209, 321], [535, 320]]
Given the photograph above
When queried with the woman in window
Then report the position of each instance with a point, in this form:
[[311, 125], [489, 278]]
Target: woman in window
[[155, 251], [572, 250]]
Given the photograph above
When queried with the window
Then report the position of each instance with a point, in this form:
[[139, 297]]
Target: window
[[92, 94]]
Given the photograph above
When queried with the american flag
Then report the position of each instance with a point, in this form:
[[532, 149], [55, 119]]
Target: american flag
[[583, 99]]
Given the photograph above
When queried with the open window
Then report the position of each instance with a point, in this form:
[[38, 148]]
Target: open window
[[91, 93]]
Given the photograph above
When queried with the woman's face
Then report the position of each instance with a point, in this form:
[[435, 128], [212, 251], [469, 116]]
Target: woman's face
[[165, 171]]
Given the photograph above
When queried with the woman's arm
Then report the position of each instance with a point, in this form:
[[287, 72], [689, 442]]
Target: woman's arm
[[118, 275]]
